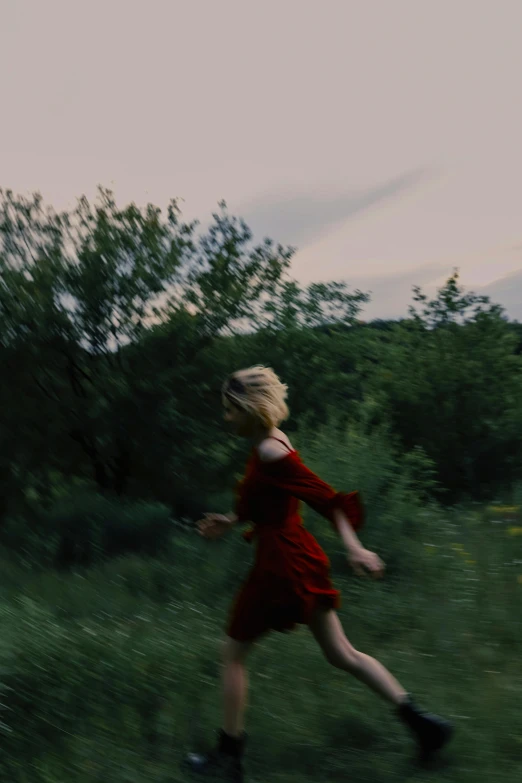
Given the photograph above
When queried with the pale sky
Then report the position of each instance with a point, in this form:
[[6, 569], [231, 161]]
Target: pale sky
[[383, 138]]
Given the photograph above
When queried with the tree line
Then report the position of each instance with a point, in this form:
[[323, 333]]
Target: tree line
[[118, 325]]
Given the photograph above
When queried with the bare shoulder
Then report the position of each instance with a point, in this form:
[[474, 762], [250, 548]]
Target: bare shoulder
[[271, 450]]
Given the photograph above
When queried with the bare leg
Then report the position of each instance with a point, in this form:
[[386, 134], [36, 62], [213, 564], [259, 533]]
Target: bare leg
[[328, 631], [235, 686], [225, 759]]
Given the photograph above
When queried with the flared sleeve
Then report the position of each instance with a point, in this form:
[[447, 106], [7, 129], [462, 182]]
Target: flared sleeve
[[292, 475]]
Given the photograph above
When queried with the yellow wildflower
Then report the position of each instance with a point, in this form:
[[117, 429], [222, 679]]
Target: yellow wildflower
[[503, 509], [519, 579], [514, 531]]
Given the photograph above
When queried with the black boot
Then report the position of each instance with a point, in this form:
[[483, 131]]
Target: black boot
[[225, 760], [430, 731]]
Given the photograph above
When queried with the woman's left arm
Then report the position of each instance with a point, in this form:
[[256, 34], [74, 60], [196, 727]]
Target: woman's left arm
[[346, 531], [344, 511], [360, 559], [292, 475]]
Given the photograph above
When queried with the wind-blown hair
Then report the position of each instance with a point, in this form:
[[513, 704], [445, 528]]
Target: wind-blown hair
[[258, 391]]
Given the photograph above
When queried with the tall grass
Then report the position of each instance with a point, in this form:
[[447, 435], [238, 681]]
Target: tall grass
[[111, 673]]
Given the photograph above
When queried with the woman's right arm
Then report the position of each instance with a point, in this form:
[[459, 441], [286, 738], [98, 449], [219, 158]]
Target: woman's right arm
[[215, 525]]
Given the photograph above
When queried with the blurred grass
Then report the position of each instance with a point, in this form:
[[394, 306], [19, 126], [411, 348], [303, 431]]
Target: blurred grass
[[111, 674]]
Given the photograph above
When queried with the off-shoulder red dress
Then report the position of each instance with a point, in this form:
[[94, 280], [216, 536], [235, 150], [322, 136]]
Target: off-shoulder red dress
[[291, 573]]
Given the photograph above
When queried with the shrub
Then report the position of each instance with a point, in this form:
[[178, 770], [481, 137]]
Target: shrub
[[91, 527]]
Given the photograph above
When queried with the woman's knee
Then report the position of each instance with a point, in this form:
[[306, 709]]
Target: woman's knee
[[343, 657]]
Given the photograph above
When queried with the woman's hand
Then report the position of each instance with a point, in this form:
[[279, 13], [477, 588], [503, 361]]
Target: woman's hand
[[215, 525], [363, 561]]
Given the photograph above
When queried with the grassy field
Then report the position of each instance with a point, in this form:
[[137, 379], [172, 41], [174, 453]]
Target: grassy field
[[111, 674]]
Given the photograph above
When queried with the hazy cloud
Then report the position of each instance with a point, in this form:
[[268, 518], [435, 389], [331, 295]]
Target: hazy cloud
[[392, 294], [507, 291], [299, 219]]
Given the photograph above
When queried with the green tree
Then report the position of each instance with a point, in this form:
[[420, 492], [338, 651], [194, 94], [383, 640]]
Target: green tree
[[450, 379], [115, 320]]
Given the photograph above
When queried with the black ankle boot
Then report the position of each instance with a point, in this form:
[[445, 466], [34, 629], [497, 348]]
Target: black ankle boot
[[224, 760], [430, 731]]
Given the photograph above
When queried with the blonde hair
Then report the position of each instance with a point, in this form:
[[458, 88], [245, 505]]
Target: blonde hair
[[258, 391]]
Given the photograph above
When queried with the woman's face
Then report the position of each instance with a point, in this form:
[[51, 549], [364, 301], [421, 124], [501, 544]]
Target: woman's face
[[239, 420]]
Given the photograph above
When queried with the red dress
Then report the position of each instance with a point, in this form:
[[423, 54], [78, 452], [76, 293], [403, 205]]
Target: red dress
[[291, 573]]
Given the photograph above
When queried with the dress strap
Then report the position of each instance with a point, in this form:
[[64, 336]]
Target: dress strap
[[272, 437]]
